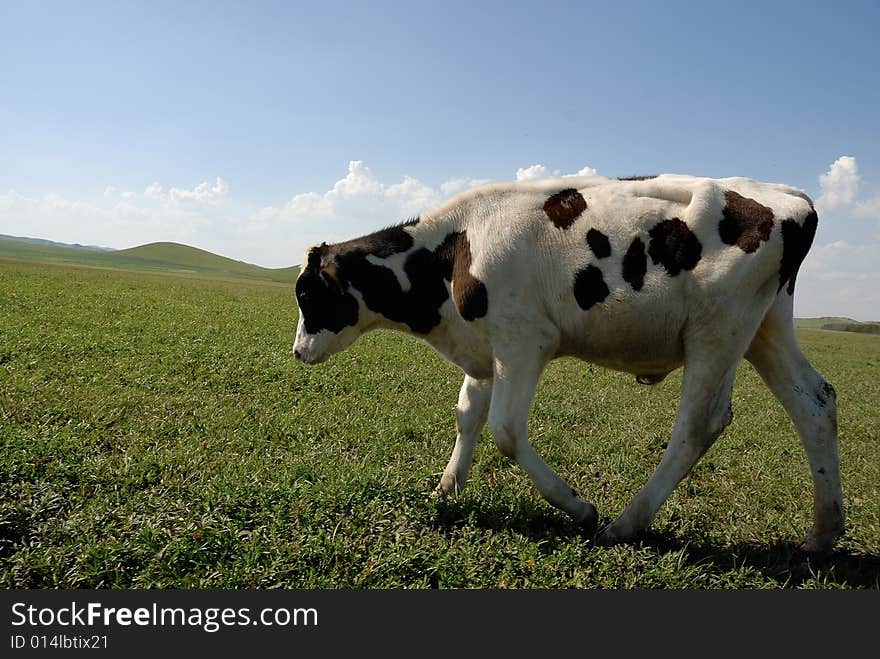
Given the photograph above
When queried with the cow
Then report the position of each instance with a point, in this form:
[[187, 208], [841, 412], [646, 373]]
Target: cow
[[642, 275]]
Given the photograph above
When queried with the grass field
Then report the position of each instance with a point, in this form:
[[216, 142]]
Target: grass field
[[157, 433]]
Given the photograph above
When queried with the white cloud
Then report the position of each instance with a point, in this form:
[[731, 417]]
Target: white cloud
[[195, 216], [412, 196], [829, 261], [358, 182], [356, 204], [203, 193], [840, 184], [153, 191], [532, 172]]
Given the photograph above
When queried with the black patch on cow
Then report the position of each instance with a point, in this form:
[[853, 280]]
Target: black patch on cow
[[796, 242], [598, 242], [322, 294], [419, 306], [674, 245], [426, 270], [746, 223], [384, 243], [323, 287], [564, 207], [589, 287], [468, 293], [635, 264], [323, 304], [636, 178]]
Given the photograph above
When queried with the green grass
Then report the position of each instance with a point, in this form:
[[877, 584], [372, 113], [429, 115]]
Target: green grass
[[157, 433], [155, 257]]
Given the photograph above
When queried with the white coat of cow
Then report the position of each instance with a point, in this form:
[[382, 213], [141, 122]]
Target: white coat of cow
[[639, 275]]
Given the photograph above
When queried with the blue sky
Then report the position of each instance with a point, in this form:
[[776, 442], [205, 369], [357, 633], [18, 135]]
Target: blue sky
[[253, 129]]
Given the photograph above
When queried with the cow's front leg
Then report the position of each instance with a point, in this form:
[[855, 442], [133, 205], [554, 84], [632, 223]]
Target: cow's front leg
[[470, 416], [516, 378]]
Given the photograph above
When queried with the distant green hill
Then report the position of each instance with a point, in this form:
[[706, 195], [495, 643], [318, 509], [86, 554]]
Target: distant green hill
[[17, 249], [182, 258], [52, 243], [154, 257], [838, 324], [816, 323]]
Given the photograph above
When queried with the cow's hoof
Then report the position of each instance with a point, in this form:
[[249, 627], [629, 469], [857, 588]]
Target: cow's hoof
[[605, 537], [820, 544], [448, 485], [613, 534], [590, 521]]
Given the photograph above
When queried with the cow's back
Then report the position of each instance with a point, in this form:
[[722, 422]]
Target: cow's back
[[622, 268]]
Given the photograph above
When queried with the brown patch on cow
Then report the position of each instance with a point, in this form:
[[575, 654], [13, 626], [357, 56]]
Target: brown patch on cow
[[796, 242], [468, 293], [564, 207], [635, 264], [589, 287], [636, 178], [674, 245], [746, 223], [598, 242]]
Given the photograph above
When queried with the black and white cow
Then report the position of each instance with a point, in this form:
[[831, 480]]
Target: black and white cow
[[640, 275]]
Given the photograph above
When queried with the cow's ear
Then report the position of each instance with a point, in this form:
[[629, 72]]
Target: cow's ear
[[330, 275], [313, 257]]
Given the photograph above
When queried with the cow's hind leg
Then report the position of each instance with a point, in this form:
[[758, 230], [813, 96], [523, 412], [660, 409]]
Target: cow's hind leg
[[811, 403], [470, 416], [703, 414], [517, 372]]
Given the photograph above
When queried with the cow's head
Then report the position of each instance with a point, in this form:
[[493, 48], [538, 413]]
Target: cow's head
[[328, 312]]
